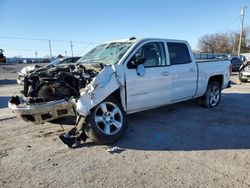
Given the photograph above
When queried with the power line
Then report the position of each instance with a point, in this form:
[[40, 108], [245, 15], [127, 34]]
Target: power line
[[50, 44], [35, 49], [20, 38], [44, 39], [85, 48]]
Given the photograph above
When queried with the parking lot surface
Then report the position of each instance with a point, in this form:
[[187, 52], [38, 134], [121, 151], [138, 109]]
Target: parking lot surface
[[181, 145]]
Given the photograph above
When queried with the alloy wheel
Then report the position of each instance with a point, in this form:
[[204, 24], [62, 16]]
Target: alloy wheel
[[108, 118], [214, 95]]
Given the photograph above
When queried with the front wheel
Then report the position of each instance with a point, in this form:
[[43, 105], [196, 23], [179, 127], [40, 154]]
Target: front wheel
[[212, 96], [107, 122]]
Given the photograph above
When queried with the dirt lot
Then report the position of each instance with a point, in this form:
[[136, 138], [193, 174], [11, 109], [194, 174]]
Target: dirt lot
[[181, 145]]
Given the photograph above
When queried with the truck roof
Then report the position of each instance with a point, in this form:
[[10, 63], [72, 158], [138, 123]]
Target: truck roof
[[133, 39]]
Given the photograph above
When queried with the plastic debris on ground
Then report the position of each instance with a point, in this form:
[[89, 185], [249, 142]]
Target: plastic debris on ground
[[115, 150]]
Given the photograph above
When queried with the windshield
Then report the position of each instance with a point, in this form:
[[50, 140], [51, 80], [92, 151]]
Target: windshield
[[108, 54]]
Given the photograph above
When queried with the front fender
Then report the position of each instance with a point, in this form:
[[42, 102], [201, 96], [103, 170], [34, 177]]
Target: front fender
[[104, 84]]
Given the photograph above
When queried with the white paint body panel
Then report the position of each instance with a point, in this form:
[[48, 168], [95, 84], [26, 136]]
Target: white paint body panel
[[184, 79], [151, 90], [155, 88], [209, 69], [101, 87]]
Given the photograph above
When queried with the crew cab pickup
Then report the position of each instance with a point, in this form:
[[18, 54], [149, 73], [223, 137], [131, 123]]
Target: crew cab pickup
[[133, 75]]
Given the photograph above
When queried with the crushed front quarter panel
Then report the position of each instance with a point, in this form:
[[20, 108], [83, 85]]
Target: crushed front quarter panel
[[104, 84]]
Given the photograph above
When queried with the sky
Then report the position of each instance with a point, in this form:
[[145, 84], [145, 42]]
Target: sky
[[26, 26]]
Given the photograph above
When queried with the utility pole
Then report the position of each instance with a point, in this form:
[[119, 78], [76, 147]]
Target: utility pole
[[50, 51], [71, 46], [36, 55], [242, 15]]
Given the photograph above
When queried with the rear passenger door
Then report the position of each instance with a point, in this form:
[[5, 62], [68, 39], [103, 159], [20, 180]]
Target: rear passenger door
[[183, 71]]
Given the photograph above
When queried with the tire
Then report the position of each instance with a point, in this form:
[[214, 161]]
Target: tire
[[242, 80], [212, 96], [107, 122]]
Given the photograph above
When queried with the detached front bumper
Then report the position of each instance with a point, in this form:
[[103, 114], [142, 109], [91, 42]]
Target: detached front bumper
[[41, 112]]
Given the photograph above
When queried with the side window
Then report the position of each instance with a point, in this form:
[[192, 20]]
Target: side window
[[178, 53], [153, 55]]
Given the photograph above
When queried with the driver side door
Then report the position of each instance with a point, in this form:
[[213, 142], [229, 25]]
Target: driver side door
[[152, 89]]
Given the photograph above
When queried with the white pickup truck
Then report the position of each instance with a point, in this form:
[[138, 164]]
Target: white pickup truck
[[135, 75]]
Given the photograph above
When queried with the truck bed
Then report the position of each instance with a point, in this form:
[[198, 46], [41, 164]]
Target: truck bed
[[210, 60], [207, 69]]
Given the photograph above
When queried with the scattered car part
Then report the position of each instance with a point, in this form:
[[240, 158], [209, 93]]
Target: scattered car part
[[72, 139], [115, 149], [75, 135]]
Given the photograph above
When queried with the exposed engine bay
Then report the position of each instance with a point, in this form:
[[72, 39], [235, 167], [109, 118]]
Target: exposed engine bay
[[59, 82], [51, 92]]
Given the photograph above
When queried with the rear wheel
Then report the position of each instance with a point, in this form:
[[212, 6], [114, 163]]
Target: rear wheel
[[107, 122], [212, 96]]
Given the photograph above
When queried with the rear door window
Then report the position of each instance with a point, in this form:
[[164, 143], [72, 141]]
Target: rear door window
[[178, 53]]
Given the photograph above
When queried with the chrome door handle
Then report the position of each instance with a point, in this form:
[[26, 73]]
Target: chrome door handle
[[192, 69], [165, 73]]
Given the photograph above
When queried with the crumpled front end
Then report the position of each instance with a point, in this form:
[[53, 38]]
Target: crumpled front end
[[39, 112], [25, 71], [58, 92]]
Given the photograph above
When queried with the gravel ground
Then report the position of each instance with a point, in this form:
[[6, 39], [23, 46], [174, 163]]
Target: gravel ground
[[181, 145]]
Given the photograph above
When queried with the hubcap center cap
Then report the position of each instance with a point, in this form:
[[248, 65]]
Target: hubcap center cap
[[108, 117]]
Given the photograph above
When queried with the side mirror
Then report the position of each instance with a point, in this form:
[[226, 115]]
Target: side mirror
[[140, 70]]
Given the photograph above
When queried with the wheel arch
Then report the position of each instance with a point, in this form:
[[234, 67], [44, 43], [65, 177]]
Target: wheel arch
[[216, 78], [115, 94], [119, 95]]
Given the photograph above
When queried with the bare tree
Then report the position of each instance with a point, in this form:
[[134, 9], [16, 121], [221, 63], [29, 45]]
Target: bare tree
[[224, 42], [214, 43], [234, 42]]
